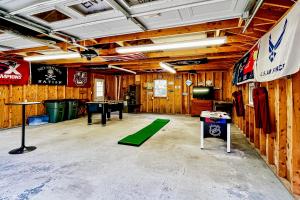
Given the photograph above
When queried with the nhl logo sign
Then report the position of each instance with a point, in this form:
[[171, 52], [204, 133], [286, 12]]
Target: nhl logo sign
[[80, 78], [215, 130]]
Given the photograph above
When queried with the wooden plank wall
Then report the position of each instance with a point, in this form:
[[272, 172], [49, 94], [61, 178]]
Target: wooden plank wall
[[179, 94], [11, 115], [280, 149]]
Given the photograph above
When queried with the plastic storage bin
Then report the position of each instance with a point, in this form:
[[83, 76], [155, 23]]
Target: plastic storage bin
[[56, 110], [37, 120], [71, 109]]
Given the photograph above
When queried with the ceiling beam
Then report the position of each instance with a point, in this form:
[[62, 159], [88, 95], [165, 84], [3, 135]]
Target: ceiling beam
[[233, 51], [196, 52], [126, 13], [208, 66], [99, 61], [269, 14], [279, 3], [204, 27]]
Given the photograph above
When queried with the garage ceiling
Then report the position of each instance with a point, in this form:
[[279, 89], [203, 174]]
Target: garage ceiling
[[106, 24], [101, 18]]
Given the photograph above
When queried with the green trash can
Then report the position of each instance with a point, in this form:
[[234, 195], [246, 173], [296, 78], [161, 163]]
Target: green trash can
[[56, 110], [71, 109]]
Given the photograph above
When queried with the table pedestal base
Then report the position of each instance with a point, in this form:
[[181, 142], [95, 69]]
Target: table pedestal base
[[22, 150]]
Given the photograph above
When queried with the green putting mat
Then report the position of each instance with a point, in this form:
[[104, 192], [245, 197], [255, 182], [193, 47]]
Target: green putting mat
[[144, 134]]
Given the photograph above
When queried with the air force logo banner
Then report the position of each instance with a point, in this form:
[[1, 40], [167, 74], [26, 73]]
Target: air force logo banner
[[279, 52], [14, 72]]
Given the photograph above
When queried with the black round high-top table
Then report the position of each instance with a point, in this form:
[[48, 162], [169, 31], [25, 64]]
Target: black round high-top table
[[23, 148]]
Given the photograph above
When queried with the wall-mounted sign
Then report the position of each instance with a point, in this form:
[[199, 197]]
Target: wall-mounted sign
[[188, 82], [209, 83], [15, 72], [202, 83], [189, 62], [184, 94], [48, 74], [243, 69], [279, 49], [160, 88], [148, 85], [78, 78]]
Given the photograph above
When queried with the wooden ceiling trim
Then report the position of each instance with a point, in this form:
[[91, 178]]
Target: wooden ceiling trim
[[266, 19], [27, 50], [205, 27], [214, 66], [269, 14], [195, 52], [216, 56]]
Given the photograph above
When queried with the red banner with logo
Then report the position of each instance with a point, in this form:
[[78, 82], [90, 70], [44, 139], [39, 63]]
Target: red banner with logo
[[15, 72], [78, 78]]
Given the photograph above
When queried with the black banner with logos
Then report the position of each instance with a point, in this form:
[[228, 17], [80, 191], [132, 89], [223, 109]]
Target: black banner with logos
[[48, 74]]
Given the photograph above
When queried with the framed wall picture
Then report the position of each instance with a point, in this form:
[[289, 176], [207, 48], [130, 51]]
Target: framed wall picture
[[160, 88], [251, 87]]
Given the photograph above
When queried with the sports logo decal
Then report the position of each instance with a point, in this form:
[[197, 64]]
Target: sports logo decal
[[14, 72], [215, 130], [272, 47], [78, 78]]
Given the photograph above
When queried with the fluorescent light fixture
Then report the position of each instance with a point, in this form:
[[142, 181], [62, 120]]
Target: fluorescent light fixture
[[173, 45], [53, 57], [121, 69], [167, 67]]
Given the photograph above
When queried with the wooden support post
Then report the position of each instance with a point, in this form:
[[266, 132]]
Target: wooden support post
[[295, 150], [262, 134], [247, 116], [256, 135], [271, 136], [251, 125], [289, 120], [262, 142], [281, 127]]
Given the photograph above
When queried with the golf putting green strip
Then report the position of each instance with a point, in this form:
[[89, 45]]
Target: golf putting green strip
[[144, 134]]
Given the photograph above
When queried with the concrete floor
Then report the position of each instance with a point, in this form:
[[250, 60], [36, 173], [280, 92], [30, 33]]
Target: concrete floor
[[76, 161]]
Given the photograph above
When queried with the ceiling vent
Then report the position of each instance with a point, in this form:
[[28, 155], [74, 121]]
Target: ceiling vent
[[51, 16], [91, 7]]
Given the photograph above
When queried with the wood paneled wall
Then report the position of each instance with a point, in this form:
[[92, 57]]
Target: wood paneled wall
[[281, 148], [179, 94], [11, 115]]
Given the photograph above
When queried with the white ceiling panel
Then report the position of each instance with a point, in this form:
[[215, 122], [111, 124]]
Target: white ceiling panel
[[99, 18], [167, 5], [17, 42], [218, 10], [104, 29]]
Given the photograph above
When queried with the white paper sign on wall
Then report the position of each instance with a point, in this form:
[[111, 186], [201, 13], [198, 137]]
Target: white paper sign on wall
[[188, 82]]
